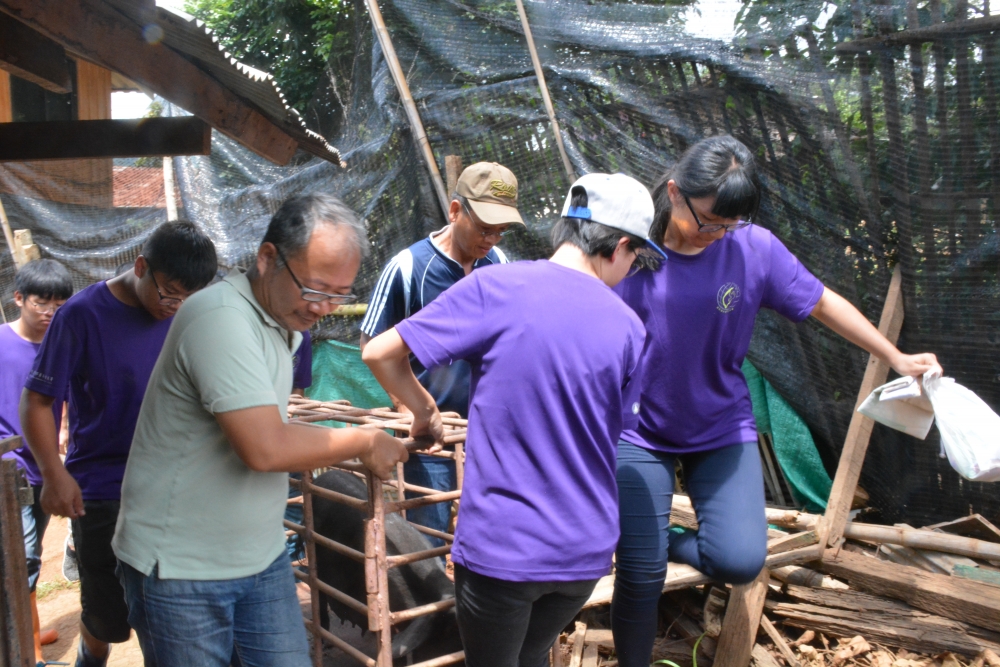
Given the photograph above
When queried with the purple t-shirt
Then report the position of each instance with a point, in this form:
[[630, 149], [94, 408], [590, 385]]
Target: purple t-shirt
[[302, 364], [554, 356], [699, 312], [16, 357], [104, 351]]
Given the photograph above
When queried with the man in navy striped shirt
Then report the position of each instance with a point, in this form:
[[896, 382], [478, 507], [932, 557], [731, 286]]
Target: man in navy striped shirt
[[483, 209]]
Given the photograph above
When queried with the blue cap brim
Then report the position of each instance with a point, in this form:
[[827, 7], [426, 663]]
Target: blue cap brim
[[657, 248]]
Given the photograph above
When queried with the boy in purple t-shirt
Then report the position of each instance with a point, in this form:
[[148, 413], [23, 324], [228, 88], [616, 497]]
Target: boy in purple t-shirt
[[40, 288], [699, 309], [100, 350], [554, 356]]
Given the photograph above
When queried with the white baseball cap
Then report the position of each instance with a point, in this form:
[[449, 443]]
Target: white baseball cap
[[614, 200]]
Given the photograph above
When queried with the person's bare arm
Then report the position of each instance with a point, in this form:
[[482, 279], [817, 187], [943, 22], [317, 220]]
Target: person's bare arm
[[843, 318], [397, 404], [267, 444], [388, 357], [64, 430], [60, 493]]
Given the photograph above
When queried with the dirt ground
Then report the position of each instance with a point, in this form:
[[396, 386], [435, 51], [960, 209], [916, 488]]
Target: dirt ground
[[59, 608]]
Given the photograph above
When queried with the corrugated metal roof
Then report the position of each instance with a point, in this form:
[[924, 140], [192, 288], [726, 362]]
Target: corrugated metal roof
[[193, 40]]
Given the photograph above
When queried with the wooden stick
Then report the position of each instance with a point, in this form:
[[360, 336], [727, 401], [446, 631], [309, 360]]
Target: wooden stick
[[739, 627], [578, 641], [779, 641], [422, 610], [416, 125], [9, 235], [860, 430], [168, 188], [449, 659], [544, 88]]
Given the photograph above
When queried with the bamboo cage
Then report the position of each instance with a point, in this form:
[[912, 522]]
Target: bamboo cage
[[377, 562]]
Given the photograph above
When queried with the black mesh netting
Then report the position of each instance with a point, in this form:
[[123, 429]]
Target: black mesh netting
[[873, 153]]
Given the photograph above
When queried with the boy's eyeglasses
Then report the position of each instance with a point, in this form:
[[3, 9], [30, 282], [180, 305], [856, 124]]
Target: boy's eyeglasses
[[711, 229], [315, 296], [165, 300]]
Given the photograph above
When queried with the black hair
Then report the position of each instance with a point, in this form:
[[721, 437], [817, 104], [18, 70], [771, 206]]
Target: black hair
[[291, 227], [591, 237], [44, 278], [721, 167], [182, 253]]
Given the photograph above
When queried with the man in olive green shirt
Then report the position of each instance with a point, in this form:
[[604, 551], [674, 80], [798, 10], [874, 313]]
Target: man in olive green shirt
[[199, 536]]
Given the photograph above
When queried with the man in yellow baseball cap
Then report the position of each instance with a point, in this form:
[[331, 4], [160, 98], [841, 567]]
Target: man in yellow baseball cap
[[483, 210]]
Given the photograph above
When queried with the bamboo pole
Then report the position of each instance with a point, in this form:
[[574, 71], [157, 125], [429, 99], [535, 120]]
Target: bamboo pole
[[416, 125], [544, 88], [8, 234], [168, 188]]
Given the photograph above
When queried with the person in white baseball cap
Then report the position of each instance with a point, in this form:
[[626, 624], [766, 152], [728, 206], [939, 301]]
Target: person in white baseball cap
[[554, 352]]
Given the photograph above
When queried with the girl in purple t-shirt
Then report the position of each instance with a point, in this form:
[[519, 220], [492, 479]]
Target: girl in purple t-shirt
[[699, 309]]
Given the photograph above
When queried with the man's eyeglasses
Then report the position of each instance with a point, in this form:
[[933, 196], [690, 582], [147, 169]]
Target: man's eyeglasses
[[165, 300], [43, 308], [315, 296], [482, 228], [711, 229]]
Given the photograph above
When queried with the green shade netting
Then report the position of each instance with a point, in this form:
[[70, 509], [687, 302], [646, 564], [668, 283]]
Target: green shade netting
[[339, 374], [793, 443]]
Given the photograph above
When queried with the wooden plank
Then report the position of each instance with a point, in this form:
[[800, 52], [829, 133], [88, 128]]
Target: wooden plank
[[579, 639], [140, 137], [859, 432], [93, 91], [100, 34], [9, 444], [739, 627], [6, 112], [33, 56], [953, 597], [760, 657], [589, 655], [15, 604], [790, 542], [847, 613]]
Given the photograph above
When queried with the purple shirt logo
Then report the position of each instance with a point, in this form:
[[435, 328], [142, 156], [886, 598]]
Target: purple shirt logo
[[727, 298]]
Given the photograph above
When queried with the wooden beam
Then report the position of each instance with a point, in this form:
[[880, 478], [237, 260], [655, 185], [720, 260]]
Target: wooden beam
[[739, 627], [6, 112], [953, 597], [932, 33], [93, 91], [141, 137], [859, 433], [33, 56], [102, 35]]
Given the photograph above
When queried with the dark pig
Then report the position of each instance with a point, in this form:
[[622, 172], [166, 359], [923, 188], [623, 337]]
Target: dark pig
[[411, 585]]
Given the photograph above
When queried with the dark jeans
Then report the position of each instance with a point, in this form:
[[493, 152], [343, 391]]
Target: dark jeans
[[726, 487], [253, 621], [102, 600], [33, 522], [514, 623], [434, 473]]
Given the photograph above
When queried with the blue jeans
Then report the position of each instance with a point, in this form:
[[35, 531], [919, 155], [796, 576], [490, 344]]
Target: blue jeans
[[34, 521], [434, 473], [726, 487], [254, 621]]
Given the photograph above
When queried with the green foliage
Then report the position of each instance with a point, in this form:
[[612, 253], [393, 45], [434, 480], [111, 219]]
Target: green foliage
[[291, 39]]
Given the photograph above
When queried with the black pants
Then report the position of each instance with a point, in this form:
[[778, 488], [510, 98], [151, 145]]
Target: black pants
[[102, 599], [514, 623]]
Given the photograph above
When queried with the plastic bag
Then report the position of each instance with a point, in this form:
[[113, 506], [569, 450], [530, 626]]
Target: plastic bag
[[900, 405], [970, 430]]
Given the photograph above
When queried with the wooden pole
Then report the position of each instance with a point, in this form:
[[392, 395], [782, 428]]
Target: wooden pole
[[544, 88], [859, 433], [452, 170], [16, 646], [168, 188], [310, 540], [416, 125], [377, 572]]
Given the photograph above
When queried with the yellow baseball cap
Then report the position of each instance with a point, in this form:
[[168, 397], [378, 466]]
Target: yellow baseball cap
[[491, 190]]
